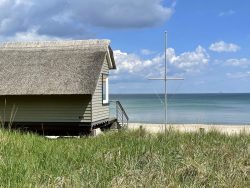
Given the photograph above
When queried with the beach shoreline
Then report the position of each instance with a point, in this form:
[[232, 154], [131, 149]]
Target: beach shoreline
[[159, 128]]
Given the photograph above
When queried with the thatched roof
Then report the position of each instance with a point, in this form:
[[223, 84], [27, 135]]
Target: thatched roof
[[52, 68]]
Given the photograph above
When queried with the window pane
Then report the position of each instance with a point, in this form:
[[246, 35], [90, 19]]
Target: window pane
[[104, 88]]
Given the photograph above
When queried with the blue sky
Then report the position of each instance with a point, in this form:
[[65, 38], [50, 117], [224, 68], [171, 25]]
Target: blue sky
[[208, 41]]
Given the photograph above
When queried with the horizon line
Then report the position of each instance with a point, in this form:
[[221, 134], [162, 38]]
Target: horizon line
[[180, 93]]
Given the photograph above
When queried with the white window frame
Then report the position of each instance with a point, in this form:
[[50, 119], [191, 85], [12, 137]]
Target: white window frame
[[106, 100]]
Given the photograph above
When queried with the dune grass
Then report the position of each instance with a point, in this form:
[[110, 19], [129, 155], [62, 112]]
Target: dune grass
[[125, 159]]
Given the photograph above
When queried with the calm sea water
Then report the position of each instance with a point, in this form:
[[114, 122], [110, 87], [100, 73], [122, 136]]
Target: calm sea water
[[186, 108]]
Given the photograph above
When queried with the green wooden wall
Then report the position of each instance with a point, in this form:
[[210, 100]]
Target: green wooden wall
[[71, 108]]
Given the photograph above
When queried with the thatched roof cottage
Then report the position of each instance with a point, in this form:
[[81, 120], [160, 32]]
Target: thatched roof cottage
[[59, 85]]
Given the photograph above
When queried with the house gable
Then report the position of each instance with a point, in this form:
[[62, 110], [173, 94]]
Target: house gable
[[100, 111]]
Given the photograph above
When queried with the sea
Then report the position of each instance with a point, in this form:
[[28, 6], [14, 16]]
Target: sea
[[221, 108]]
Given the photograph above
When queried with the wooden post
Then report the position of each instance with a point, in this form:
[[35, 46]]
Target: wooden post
[[122, 120], [116, 105]]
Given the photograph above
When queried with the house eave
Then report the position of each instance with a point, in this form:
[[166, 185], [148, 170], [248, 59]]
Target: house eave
[[110, 58]]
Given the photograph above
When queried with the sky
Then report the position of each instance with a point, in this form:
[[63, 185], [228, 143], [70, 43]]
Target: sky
[[208, 41]]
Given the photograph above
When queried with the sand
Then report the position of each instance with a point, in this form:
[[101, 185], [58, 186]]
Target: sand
[[157, 128]]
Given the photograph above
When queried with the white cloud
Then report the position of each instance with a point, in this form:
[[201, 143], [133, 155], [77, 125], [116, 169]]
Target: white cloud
[[29, 36], [239, 74], [189, 61], [134, 64], [122, 13], [227, 13], [129, 64], [221, 46], [66, 19], [243, 62], [147, 52]]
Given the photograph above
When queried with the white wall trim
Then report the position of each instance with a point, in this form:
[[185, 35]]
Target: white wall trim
[[106, 100]]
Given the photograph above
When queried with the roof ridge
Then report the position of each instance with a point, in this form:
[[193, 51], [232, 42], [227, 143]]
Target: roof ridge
[[65, 43]]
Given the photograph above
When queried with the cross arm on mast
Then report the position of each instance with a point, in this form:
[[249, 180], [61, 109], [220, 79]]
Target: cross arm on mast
[[165, 78]]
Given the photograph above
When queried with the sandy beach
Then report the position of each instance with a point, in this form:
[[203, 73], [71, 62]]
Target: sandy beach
[[157, 128]]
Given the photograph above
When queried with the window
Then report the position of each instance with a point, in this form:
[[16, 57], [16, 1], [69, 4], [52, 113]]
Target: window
[[105, 89]]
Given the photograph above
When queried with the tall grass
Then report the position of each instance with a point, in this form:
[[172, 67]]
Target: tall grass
[[7, 117], [125, 159]]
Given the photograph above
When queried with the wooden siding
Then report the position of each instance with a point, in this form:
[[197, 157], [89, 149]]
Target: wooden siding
[[70, 108], [100, 111]]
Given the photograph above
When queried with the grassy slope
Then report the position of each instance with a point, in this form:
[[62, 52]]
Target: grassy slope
[[125, 159]]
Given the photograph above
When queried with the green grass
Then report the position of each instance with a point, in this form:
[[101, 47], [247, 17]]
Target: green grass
[[126, 159]]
